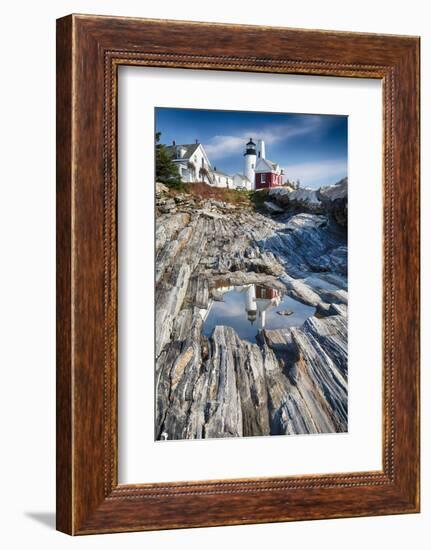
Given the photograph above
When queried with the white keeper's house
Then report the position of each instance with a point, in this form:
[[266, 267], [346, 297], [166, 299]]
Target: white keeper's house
[[194, 166], [192, 161]]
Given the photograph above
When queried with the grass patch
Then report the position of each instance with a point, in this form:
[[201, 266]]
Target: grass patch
[[201, 190], [176, 185]]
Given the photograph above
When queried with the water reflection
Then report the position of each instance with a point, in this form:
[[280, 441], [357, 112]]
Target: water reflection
[[251, 308]]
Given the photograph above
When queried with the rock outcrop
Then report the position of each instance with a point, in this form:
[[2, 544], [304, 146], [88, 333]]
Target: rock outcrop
[[292, 381], [331, 199]]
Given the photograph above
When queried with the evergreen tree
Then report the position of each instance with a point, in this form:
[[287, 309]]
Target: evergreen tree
[[166, 170]]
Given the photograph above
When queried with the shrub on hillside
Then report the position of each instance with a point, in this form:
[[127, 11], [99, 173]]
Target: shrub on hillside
[[166, 170]]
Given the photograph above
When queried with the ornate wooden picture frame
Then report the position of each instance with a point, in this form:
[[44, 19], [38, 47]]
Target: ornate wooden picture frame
[[89, 51]]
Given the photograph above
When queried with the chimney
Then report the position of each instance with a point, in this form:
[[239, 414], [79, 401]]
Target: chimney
[[197, 141], [173, 143], [261, 149]]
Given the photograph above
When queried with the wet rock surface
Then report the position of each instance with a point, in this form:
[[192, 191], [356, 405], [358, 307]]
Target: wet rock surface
[[293, 380]]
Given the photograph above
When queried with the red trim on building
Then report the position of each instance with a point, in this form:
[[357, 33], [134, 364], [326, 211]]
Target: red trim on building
[[267, 180], [264, 293]]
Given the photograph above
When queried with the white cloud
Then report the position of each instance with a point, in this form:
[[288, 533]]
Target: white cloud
[[223, 146], [315, 174]]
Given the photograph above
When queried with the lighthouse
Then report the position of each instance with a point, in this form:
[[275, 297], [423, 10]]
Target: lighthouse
[[250, 303], [250, 161]]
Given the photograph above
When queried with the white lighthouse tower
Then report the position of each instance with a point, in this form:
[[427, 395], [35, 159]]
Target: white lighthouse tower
[[250, 161]]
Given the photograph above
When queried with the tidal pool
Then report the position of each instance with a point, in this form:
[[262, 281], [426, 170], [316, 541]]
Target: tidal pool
[[250, 308]]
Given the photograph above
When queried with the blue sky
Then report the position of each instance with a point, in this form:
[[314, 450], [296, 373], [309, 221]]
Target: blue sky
[[311, 148]]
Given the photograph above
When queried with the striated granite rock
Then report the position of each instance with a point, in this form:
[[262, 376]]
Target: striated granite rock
[[272, 208], [331, 193], [304, 199], [330, 200], [241, 389], [335, 197], [318, 355], [293, 380]]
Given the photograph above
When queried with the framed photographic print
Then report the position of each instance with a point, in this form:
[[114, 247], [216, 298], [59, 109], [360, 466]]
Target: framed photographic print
[[237, 274]]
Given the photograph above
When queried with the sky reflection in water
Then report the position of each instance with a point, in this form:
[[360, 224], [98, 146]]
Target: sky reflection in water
[[250, 308]]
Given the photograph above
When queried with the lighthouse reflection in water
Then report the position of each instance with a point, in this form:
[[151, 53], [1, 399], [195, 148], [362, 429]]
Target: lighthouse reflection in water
[[251, 308]]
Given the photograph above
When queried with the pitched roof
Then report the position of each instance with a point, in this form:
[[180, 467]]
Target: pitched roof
[[266, 165], [219, 172], [190, 149]]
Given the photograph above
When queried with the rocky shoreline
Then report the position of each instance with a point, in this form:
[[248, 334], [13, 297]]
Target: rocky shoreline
[[293, 380]]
